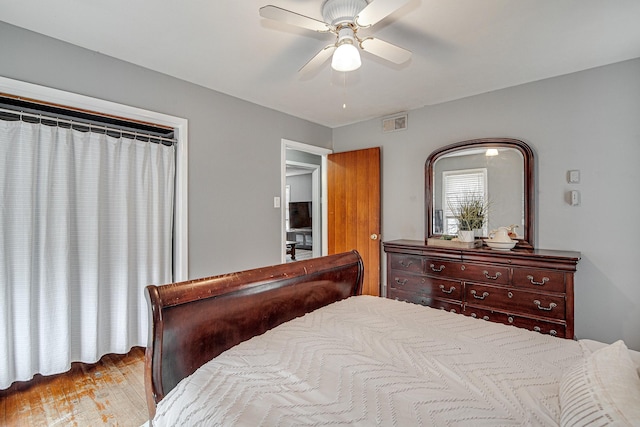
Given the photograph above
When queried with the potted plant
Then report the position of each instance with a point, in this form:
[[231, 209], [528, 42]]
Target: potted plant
[[470, 212]]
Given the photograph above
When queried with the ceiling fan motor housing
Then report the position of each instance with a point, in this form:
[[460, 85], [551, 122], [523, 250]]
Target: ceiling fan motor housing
[[336, 12]]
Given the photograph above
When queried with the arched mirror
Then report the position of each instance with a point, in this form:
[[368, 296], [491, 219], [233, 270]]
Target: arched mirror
[[496, 171]]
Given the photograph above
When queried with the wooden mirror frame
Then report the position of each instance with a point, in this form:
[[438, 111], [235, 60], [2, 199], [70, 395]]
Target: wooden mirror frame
[[527, 242]]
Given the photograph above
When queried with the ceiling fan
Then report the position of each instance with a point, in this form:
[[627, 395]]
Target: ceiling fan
[[344, 18]]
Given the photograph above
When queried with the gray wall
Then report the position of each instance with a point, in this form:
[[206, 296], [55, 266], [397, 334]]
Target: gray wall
[[234, 146], [588, 121], [300, 187]]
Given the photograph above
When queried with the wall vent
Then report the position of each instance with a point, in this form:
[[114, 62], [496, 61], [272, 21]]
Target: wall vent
[[394, 123]]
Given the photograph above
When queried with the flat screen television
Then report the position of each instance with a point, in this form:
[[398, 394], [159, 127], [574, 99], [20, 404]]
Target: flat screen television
[[300, 215]]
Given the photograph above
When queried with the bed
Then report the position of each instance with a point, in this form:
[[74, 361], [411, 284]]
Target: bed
[[296, 344]]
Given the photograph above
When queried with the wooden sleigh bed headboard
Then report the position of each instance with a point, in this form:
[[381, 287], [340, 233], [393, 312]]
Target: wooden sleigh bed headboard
[[194, 321]]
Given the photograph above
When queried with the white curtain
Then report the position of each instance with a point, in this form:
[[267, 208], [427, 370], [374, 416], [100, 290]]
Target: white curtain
[[86, 224]]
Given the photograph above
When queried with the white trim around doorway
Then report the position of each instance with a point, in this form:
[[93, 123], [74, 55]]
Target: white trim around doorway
[[318, 193]]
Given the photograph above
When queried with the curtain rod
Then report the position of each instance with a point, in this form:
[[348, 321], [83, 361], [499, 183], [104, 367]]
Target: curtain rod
[[81, 110], [89, 125]]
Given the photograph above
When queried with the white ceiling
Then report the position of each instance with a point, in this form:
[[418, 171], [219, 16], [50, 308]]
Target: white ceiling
[[460, 47]]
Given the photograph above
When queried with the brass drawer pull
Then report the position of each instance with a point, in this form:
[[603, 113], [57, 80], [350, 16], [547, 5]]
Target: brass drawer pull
[[451, 289], [552, 332], [533, 282], [484, 294], [486, 274], [401, 282], [405, 264], [475, 316], [551, 306], [433, 268]]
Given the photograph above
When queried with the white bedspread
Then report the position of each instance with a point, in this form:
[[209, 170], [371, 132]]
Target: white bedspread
[[374, 361]]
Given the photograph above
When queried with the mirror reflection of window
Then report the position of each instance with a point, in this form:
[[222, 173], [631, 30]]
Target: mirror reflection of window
[[460, 185]]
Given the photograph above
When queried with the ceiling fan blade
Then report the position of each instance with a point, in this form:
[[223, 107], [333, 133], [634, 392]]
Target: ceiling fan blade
[[320, 58], [283, 15], [385, 50], [377, 10]]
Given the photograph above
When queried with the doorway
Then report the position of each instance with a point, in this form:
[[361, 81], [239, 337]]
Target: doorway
[[302, 210], [304, 182]]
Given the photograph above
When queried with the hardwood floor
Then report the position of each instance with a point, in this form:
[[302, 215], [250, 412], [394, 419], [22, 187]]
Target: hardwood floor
[[110, 392]]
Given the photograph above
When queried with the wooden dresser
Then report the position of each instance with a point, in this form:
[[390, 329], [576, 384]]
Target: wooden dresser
[[528, 288]]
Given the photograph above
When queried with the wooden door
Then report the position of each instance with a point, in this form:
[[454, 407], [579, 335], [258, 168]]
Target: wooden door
[[353, 207]]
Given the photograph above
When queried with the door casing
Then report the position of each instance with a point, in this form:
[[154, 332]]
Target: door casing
[[320, 194]]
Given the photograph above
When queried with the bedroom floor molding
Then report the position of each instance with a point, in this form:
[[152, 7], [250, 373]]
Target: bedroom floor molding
[[110, 392]]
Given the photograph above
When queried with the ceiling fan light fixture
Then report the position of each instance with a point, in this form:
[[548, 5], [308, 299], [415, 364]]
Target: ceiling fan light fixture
[[346, 58]]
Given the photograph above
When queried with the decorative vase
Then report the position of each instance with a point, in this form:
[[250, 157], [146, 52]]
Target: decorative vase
[[466, 235]]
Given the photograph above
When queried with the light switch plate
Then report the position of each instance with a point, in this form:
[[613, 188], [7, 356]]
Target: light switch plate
[[574, 198], [573, 177], [276, 202]]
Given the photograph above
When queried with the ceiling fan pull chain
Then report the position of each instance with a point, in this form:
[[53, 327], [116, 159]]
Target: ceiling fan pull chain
[[344, 91]]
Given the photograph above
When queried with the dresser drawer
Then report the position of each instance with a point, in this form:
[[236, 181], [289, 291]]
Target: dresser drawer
[[411, 263], [429, 286], [516, 300], [449, 306], [542, 280], [555, 329], [550, 328], [416, 298], [405, 281], [442, 268], [485, 273]]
